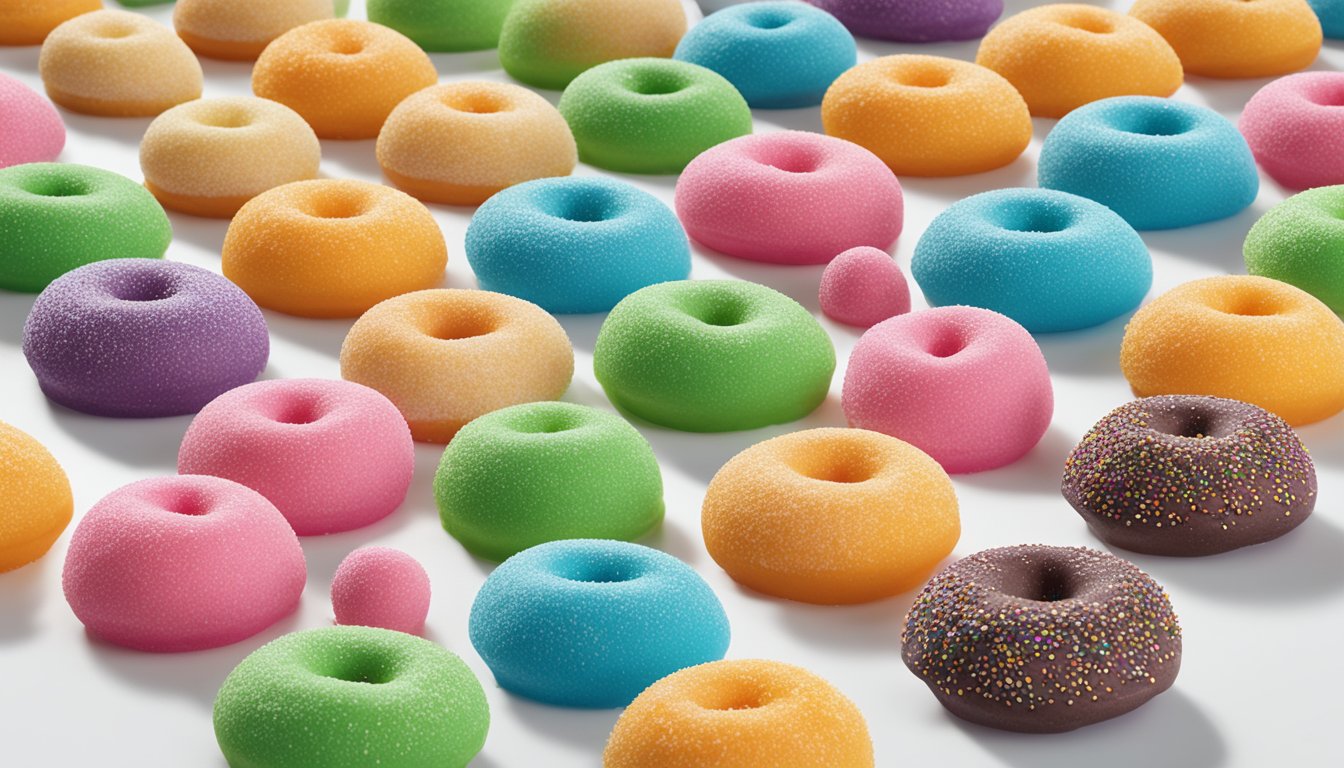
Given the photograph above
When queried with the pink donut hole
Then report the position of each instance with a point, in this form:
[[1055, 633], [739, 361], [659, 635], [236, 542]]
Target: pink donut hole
[[862, 287], [967, 386], [381, 587], [31, 130], [331, 455], [1295, 128], [789, 197]]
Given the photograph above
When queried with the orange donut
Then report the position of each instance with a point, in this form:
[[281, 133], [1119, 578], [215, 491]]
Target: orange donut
[[28, 22], [35, 500], [831, 516], [1060, 57], [1241, 337], [239, 30], [1218, 38]]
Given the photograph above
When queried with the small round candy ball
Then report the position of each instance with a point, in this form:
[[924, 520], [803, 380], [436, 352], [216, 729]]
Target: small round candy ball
[[239, 30], [182, 564], [548, 43], [25, 22], [1331, 15], [929, 116], [444, 25], [651, 115], [1215, 38], [1299, 241], [35, 499], [56, 217], [589, 623], [1293, 127], [332, 247], [740, 712], [575, 245], [332, 456], [1241, 337], [778, 55], [1060, 262], [790, 197], [1060, 57], [917, 21], [381, 587], [713, 356], [967, 386], [862, 287], [141, 338], [31, 130], [349, 697]]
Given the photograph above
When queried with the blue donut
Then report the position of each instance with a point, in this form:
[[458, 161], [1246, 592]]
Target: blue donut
[[778, 55], [575, 244], [592, 623], [1049, 260], [1158, 163], [1331, 14]]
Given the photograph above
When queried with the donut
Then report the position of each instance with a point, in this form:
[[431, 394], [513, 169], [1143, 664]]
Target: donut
[[332, 247], [1215, 38], [573, 245], [443, 25], [1241, 337], [381, 587], [591, 623], [348, 697], [1330, 13], [928, 116], [967, 386], [651, 115], [1293, 127], [1060, 57], [726, 714], [142, 338], [1298, 242], [239, 30], [209, 157], [713, 356], [778, 55], [1060, 262], [920, 21], [25, 22], [1158, 163], [56, 217], [182, 563], [446, 356], [790, 197], [35, 499], [460, 143], [31, 130], [862, 287]]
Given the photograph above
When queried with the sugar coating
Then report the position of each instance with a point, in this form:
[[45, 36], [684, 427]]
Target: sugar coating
[[1050, 260], [31, 130], [25, 22], [1060, 57], [1293, 127], [241, 29], [381, 587], [1215, 38], [790, 197], [332, 456], [862, 287], [591, 623], [444, 25], [747, 712], [35, 499], [928, 115], [445, 357], [1331, 15], [920, 21], [182, 563], [1241, 337], [1301, 242], [348, 697]]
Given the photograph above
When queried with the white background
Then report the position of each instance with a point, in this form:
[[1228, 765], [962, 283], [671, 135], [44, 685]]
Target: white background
[[1262, 626]]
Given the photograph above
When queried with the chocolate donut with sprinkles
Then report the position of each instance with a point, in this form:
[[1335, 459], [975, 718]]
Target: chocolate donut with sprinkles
[[1042, 639]]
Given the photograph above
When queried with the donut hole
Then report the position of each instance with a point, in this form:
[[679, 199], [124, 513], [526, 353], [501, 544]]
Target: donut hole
[[115, 29], [609, 570], [1330, 94], [460, 327], [1153, 122], [1249, 304], [338, 206], [736, 698], [298, 410], [547, 423], [791, 159], [347, 45], [586, 206], [225, 117], [1191, 424], [945, 341], [190, 503], [1043, 582], [55, 186], [360, 668], [477, 103], [1033, 216], [769, 18], [927, 76], [718, 310], [842, 466], [1093, 23], [656, 82], [144, 288]]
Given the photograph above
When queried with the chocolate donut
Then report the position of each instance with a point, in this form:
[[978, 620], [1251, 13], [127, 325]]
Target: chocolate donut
[[1042, 639], [1189, 475]]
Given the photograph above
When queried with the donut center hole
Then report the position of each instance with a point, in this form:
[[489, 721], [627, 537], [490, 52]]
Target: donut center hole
[[298, 411], [587, 207], [1157, 122], [115, 29], [656, 83], [738, 700], [347, 46], [476, 103], [850, 468], [1331, 96], [1196, 425], [55, 186], [1038, 218], [607, 571], [718, 311], [548, 423], [145, 289], [457, 328], [334, 207], [1046, 583], [947, 342], [769, 18], [187, 503], [363, 670], [226, 118], [925, 77], [793, 160], [1251, 305], [1095, 24]]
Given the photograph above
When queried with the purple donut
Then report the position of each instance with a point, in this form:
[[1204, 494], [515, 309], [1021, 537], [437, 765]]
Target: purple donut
[[140, 338], [915, 21]]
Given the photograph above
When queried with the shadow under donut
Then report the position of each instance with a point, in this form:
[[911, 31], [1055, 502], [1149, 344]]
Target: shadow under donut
[[146, 443], [14, 309], [1215, 244], [22, 592], [1092, 352], [869, 628], [1037, 473], [586, 729]]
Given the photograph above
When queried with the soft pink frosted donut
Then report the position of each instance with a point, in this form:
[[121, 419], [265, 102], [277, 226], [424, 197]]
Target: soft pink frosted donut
[[966, 385], [1295, 129], [330, 455], [862, 287], [182, 564], [31, 130], [381, 587], [790, 197]]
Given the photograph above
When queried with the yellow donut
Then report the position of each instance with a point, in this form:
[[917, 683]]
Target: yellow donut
[[28, 22], [35, 500], [1222, 38], [239, 30]]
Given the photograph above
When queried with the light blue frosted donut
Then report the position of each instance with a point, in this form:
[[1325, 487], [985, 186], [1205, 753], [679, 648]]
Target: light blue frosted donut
[[1331, 14], [1158, 163], [575, 244], [592, 623], [1049, 260]]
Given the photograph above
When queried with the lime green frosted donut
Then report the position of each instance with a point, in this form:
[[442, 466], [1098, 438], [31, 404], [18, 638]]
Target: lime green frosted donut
[[444, 25], [348, 697], [1301, 241], [651, 115], [713, 356]]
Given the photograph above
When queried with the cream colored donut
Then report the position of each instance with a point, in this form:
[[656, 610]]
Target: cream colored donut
[[239, 30]]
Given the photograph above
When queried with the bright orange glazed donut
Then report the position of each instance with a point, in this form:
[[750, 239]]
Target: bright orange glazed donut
[[928, 115], [831, 516], [1236, 38], [239, 30], [28, 22], [1241, 337], [1060, 57], [460, 143], [35, 500], [735, 714], [344, 77], [446, 356]]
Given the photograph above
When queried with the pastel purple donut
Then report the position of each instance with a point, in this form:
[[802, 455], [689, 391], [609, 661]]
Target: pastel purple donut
[[1295, 129], [381, 587], [862, 287], [140, 338], [789, 197], [31, 130], [915, 21]]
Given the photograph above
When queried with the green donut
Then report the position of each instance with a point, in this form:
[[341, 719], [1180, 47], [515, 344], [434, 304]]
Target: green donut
[[444, 25], [55, 217], [1301, 242], [347, 697], [651, 115], [713, 356]]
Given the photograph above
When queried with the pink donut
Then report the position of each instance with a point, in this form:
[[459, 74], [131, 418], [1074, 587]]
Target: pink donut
[[31, 130], [862, 287], [381, 587], [182, 564], [966, 385], [789, 198], [1295, 129], [330, 455]]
